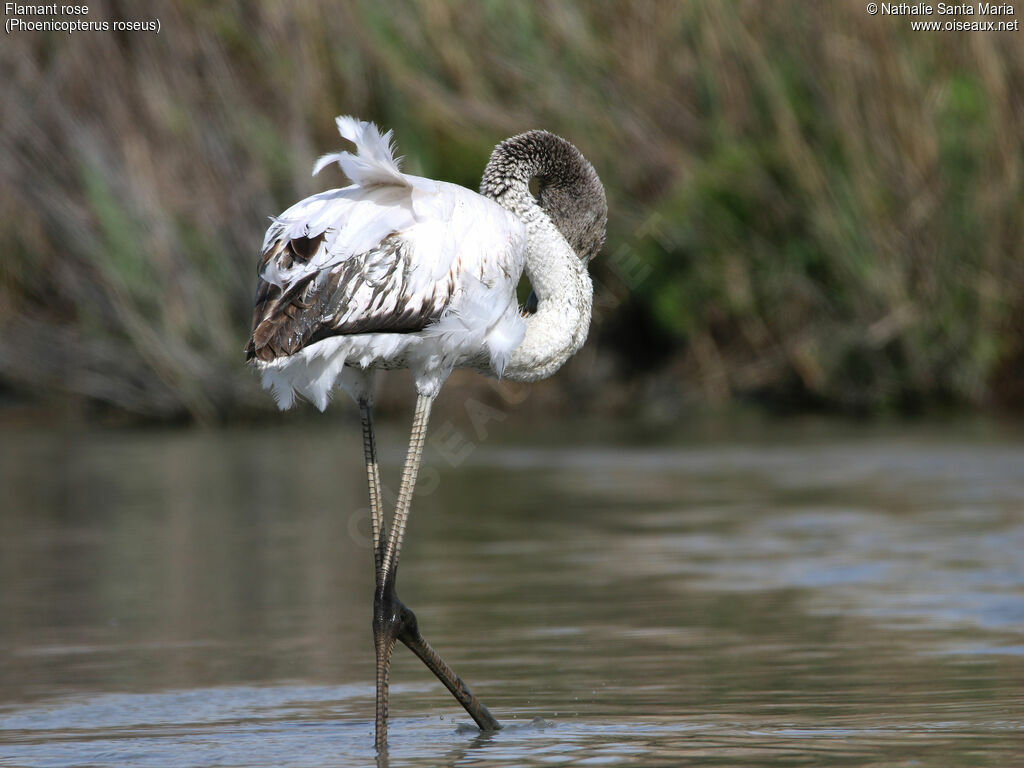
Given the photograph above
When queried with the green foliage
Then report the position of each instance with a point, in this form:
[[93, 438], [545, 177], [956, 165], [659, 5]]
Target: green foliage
[[810, 206]]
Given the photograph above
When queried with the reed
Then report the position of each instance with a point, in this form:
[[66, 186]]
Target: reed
[[810, 206]]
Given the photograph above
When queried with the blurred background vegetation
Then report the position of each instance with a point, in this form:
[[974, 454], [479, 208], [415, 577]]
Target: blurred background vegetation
[[811, 207]]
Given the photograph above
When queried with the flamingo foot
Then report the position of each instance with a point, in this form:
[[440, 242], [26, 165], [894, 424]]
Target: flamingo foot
[[392, 621]]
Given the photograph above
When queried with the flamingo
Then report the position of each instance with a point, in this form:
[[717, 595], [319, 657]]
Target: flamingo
[[399, 271]]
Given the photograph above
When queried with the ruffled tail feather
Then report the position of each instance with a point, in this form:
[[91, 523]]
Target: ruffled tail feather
[[374, 163]]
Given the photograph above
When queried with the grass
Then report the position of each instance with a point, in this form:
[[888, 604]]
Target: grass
[[810, 207]]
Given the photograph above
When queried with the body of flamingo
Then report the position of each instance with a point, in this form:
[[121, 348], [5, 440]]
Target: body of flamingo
[[398, 271]]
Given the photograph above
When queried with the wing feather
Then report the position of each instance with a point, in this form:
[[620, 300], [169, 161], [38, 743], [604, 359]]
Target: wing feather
[[368, 293], [389, 254]]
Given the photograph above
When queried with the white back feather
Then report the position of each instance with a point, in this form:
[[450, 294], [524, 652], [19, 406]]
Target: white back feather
[[455, 238], [374, 163]]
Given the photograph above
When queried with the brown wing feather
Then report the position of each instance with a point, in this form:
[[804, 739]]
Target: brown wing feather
[[323, 304]]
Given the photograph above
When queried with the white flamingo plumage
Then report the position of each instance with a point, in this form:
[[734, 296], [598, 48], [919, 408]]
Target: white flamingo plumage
[[399, 271]]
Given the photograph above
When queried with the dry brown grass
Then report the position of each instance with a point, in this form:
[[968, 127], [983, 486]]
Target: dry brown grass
[[836, 199]]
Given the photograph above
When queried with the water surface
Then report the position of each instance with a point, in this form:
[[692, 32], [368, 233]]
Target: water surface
[[793, 596]]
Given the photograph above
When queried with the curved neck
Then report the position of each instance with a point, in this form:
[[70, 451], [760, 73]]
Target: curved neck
[[565, 296], [557, 273]]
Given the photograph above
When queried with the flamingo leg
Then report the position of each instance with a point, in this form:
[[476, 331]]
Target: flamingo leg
[[373, 480], [416, 643], [392, 620], [409, 473]]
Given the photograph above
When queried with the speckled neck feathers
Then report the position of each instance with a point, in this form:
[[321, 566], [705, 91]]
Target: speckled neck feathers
[[565, 228], [569, 191]]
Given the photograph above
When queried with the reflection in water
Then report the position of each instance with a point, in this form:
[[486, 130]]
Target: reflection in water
[[176, 598]]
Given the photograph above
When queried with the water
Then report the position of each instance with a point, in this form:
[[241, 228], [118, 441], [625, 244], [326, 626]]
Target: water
[[822, 596]]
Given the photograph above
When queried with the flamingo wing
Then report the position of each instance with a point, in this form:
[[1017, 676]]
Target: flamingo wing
[[388, 254], [371, 292]]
